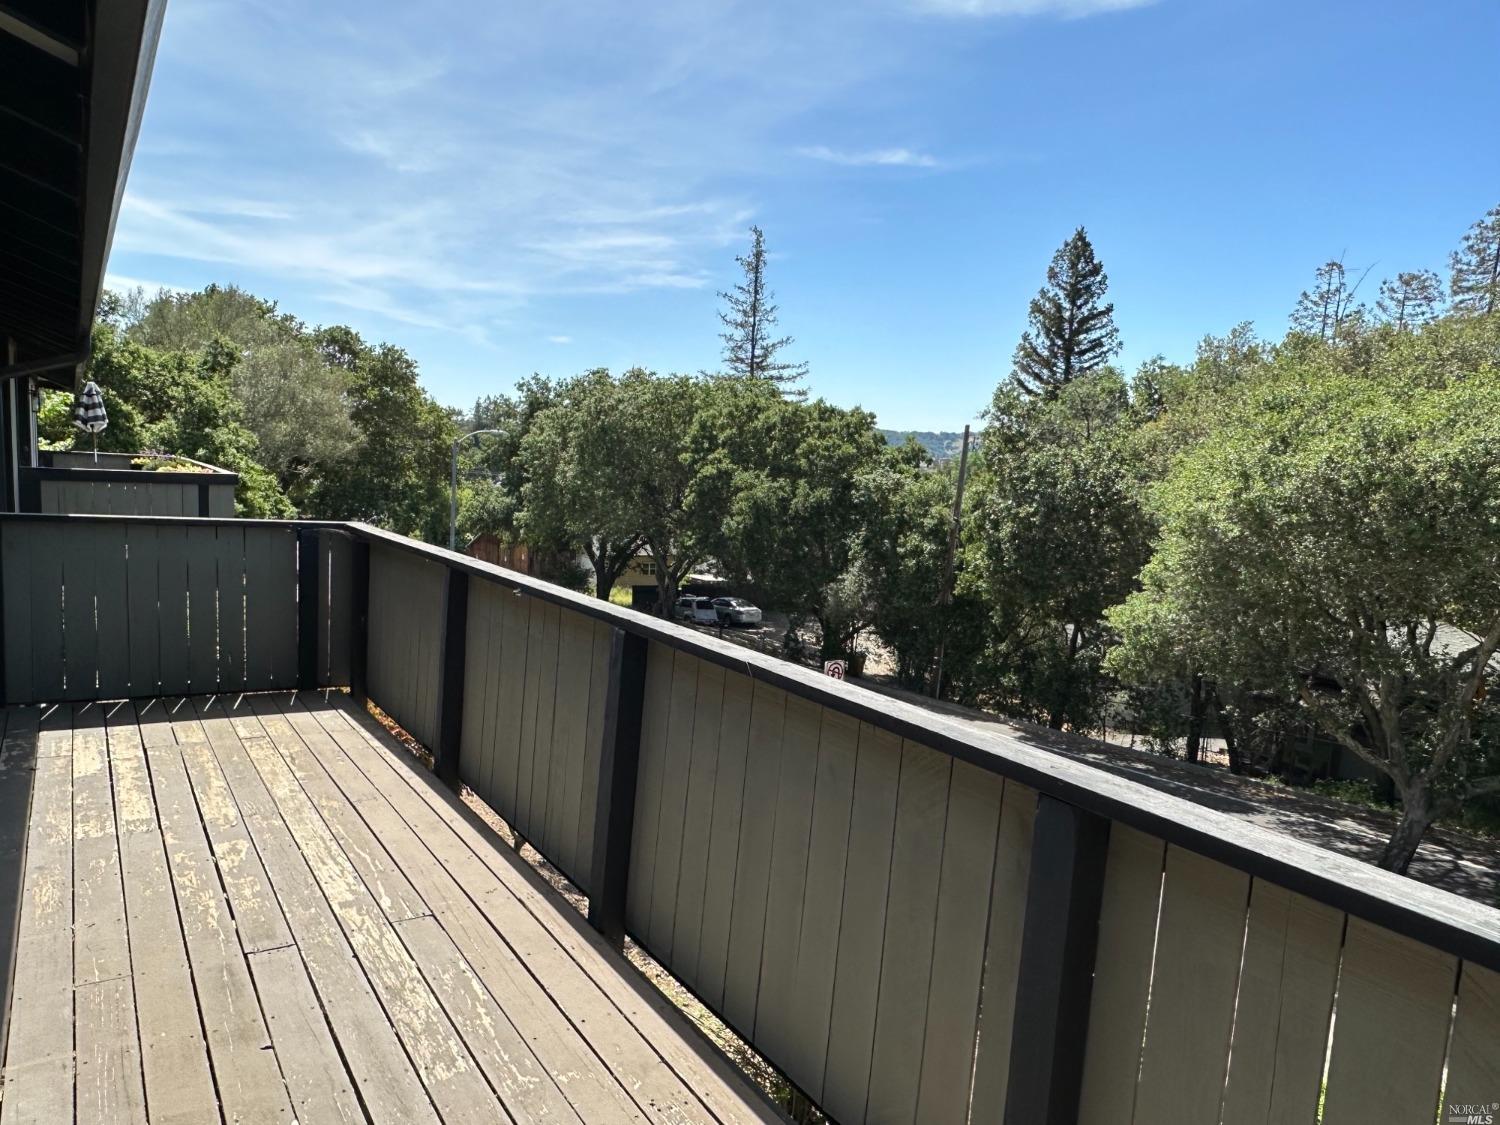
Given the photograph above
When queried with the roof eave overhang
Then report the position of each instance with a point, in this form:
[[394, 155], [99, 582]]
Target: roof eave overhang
[[120, 54]]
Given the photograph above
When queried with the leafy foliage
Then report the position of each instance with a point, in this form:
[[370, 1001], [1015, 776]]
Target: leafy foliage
[[1057, 537], [578, 475], [903, 549], [1322, 541], [296, 405], [180, 403], [776, 497], [316, 422], [188, 322], [395, 473]]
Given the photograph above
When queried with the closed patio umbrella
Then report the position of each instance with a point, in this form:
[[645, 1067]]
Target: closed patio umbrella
[[88, 412]]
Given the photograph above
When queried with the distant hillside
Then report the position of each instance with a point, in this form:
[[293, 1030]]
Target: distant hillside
[[942, 446]]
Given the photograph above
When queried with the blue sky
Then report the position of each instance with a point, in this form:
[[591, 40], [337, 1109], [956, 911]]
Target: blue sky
[[502, 189]]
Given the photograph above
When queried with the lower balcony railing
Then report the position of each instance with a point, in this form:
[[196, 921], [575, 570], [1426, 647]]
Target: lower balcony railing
[[122, 484], [911, 920]]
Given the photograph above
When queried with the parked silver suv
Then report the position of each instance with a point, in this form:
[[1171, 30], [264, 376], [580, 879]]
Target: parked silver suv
[[736, 611]]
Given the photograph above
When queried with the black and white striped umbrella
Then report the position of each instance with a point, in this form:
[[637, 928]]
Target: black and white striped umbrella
[[88, 412], [88, 409]]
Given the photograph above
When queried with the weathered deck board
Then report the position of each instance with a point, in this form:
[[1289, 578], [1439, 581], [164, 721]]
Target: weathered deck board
[[383, 1074], [245, 1069], [109, 1085], [398, 900], [256, 914], [179, 1084], [624, 1050], [109, 1089], [39, 1056], [564, 1059], [316, 1079], [262, 909], [633, 1008], [320, 1087], [447, 1070], [523, 1085], [388, 1087]]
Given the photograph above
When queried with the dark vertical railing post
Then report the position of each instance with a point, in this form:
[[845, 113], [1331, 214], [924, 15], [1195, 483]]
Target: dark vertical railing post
[[203, 504], [614, 809], [451, 673], [1058, 941], [309, 598], [4, 698], [31, 491], [359, 618]]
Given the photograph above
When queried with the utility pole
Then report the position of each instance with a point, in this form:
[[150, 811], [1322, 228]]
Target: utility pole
[[453, 486], [945, 593]]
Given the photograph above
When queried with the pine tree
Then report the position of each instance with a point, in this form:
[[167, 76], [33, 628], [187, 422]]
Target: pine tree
[[1328, 307], [750, 348], [1072, 330], [1411, 299], [1475, 281]]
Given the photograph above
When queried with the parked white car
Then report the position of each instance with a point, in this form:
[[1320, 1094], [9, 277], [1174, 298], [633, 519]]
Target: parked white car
[[736, 611], [700, 611]]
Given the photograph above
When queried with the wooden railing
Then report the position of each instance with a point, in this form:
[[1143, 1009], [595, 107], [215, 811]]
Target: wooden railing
[[79, 483], [912, 920]]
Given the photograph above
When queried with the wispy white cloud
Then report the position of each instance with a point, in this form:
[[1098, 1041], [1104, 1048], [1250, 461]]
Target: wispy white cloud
[[237, 208], [1067, 9], [559, 339], [446, 174], [121, 283], [871, 158]]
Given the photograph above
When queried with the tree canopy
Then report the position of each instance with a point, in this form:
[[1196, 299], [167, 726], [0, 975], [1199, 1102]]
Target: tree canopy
[[1273, 539], [1410, 299], [1057, 537], [776, 497], [751, 346], [1071, 328], [316, 421], [1337, 536], [172, 402], [1475, 278], [578, 476], [1328, 309]]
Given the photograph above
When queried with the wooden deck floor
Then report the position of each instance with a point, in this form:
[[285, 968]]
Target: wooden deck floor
[[263, 910]]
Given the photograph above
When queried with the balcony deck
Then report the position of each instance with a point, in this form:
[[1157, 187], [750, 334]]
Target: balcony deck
[[262, 909]]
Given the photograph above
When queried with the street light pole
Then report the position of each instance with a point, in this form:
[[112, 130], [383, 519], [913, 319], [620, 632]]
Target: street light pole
[[453, 485]]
